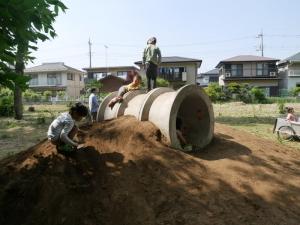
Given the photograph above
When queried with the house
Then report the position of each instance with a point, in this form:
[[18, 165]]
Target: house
[[111, 83], [97, 73], [178, 70], [203, 79], [255, 70], [289, 72], [56, 77]]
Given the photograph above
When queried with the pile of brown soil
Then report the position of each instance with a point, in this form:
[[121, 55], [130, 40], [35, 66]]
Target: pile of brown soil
[[125, 175]]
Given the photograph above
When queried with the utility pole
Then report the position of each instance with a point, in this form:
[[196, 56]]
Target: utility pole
[[90, 52], [261, 46], [106, 47]]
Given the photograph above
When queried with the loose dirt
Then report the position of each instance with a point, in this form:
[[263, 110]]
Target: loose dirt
[[125, 175]]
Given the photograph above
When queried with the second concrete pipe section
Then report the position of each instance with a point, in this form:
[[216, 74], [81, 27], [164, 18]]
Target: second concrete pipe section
[[162, 107]]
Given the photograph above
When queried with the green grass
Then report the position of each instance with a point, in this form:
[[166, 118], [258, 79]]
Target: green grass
[[18, 135], [257, 119]]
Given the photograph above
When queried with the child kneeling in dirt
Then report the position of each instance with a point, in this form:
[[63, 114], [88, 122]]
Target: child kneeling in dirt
[[63, 129], [134, 85]]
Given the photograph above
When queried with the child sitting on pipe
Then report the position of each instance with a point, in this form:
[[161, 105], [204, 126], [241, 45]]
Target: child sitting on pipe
[[63, 129], [134, 85], [181, 135]]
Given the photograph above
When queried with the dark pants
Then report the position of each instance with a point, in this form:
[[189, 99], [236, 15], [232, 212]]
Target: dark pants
[[94, 116], [151, 73]]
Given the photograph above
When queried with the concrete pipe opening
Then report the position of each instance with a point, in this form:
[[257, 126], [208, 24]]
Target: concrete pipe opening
[[190, 105]]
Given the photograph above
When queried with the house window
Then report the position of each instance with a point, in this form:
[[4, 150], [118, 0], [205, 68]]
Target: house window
[[122, 74], [171, 73], [80, 78], [33, 79], [53, 79], [262, 69], [99, 76], [237, 70], [70, 76]]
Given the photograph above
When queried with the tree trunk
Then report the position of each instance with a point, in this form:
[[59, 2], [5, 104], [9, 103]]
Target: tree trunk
[[19, 68], [18, 105]]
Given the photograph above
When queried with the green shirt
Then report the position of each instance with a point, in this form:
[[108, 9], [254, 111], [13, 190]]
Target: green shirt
[[152, 54]]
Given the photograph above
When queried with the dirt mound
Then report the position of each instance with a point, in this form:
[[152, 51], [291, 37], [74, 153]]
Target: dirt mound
[[125, 175]]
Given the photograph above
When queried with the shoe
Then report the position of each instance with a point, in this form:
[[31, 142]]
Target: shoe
[[188, 148], [65, 149]]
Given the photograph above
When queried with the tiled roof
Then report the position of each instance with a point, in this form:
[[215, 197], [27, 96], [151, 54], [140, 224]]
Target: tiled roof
[[171, 59], [213, 71], [247, 58], [293, 58], [51, 67]]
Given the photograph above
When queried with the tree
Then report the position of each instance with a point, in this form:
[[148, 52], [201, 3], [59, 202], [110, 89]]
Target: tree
[[22, 25]]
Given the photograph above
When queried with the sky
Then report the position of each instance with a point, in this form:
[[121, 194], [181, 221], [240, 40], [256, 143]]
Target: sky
[[208, 30]]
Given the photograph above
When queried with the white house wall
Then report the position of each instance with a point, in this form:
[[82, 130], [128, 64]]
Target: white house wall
[[294, 75]]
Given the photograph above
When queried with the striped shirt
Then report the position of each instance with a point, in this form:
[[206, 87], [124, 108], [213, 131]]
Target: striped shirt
[[61, 127]]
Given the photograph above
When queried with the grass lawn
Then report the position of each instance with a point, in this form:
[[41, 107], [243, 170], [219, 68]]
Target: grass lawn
[[16, 136], [257, 119]]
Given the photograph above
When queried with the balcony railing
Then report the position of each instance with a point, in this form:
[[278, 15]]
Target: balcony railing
[[251, 73], [171, 77]]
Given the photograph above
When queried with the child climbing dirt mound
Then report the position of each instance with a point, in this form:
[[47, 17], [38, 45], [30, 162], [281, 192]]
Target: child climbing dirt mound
[[125, 175]]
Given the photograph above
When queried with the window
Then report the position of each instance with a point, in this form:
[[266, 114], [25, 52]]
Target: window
[[99, 76], [33, 79], [53, 79], [262, 69], [237, 70], [80, 78], [122, 74], [70, 76], [171, 73]]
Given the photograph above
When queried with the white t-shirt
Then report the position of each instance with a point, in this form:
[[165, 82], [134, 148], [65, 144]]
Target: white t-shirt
[[61, 127]]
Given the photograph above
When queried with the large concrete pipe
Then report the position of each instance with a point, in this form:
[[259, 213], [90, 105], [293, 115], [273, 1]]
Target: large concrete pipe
[[162, 106]]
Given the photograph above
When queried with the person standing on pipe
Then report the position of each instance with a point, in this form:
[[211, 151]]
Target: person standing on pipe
[[151, 61]]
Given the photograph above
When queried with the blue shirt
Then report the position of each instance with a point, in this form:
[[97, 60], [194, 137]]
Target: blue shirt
[[93, 103]]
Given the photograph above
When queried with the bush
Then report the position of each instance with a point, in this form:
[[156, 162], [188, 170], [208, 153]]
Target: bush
[[215, 93], [162, 82], [30, 95], [61, 94], [6, 106], [47, 95], [258, 95], [281, 107], [295, 91]]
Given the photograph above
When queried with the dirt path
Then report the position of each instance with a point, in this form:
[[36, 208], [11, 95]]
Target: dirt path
[[125, 176]]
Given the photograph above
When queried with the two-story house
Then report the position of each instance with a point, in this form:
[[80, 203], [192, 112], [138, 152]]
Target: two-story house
[[289, 72], [254, 70], [178, 70], [56, 77]]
